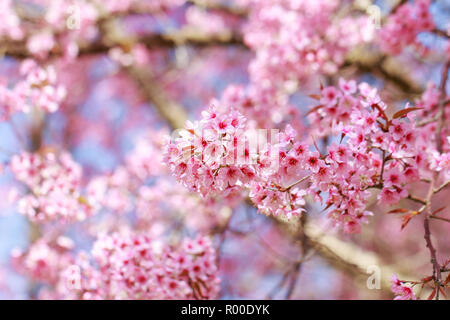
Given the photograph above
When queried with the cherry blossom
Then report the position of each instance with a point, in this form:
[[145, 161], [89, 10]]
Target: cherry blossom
[[136, 267], [55, 184]]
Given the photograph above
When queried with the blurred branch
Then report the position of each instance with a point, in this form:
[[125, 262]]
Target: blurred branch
[[367, 60], [187, 36], [234, 10], [350, 258], [169, 110], [304, 241], [36, 132]]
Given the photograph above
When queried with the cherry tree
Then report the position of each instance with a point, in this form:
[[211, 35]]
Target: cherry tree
[[187, 149]]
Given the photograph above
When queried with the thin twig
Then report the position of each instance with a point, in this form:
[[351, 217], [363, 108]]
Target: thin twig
[[440, 218]]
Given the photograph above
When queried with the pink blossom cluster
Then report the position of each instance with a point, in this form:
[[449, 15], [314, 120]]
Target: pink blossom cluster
[[45, 259], [262, 108], [293, 39], [133, 266], [401, 291], [111, 191], [405, 24], [78, 15], [115, 191], [430, 158], [205, 156], [166, 200], [136, 55], [38, 89], [66, 23], [62, 25], [214, 156], [379, 152], [145, 160], [54, 182], [10, 26], [211, 22]]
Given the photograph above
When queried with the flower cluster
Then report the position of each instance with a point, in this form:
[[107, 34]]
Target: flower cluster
[[405, 24], [401, 291], [167, 200], [375, 152], [111, 191], [206, 157], [114, 191], [66, 23], [429, 104], [262, 108], [10, 25], [54, 182], [45, 259], [38, 89], [379, 152], [294, 39], [135, 267], [200, 19], [145, 161]]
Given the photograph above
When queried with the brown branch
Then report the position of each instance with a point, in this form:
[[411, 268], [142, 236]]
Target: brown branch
[[434, 261], [440, 218], [441, 33], [441, 115], [196, 38], [443, 186], [351, 259], [366, 60], [216, 6], [415, 199], [305, 245]]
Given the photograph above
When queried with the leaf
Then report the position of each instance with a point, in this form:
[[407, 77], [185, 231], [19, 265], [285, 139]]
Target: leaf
[[398, 210], [381, 111], [446, 263], [437, 211], [406, 220], [315, 96], [433, 293], [447, 280], [404, 112], [426, 279], [315, 109]]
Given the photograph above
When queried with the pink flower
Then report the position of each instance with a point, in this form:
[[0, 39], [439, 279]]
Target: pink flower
[[330, 96], [392, 195], [401, 291], [397, 129], [349, 87], [41, 43]]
